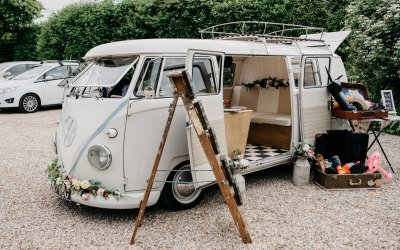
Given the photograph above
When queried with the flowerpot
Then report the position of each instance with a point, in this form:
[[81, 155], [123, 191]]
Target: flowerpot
[[301, 172], [241, 188]]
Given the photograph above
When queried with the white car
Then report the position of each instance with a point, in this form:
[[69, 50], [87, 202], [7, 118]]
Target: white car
[[11, 69], [36, 87]]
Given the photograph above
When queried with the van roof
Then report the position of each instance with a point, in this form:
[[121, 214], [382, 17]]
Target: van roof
[[229, 47]]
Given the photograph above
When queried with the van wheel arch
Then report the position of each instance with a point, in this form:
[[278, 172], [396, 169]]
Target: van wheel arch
[[175, 196]]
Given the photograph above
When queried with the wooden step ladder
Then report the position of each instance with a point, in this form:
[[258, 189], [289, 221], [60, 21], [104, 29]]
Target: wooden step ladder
[[209, 143]]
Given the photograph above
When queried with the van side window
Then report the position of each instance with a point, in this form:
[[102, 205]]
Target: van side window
[[203, 76], [312, 77], [229, 71], [314, 71], [149, 75], [171, 64]]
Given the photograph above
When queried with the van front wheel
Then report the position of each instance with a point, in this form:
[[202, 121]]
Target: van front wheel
[[179, 193]]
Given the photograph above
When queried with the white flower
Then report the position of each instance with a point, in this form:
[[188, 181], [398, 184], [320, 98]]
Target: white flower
[[245, 163], [85, 184], [58, 181], [306, 147], [76, 184]]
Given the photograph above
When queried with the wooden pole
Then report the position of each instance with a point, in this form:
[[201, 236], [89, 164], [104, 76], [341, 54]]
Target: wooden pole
[[143, 203]]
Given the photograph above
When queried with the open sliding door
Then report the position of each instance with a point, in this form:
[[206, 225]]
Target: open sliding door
[[314, 106], [205, 75]]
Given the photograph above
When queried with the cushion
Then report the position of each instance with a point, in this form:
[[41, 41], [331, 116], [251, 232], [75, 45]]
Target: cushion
[[272, 118]]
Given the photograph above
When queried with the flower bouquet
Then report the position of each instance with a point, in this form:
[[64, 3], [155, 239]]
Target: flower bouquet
[[304, 150], [237, 163]]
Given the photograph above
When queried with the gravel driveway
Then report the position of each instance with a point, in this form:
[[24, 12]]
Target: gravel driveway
[[279, 215]]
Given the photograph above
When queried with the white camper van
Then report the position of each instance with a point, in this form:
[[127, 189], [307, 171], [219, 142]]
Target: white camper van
[[110, 129]]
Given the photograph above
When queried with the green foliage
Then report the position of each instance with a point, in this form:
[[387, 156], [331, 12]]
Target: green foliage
[[77, 28], [374, 45], [16, 18], [80, 27]]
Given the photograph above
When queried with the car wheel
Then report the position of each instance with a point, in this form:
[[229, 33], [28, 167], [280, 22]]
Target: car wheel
[[29, 103], [178, 194]]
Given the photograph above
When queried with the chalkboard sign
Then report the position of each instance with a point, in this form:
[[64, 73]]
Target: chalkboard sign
[[388, 102]]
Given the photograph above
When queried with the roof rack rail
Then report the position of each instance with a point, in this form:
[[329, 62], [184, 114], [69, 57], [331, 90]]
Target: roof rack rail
[[72, 61], [254, 30], [51, 61]]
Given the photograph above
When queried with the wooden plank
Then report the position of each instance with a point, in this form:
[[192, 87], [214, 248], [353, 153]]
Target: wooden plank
[[143, 203], [181, 83]]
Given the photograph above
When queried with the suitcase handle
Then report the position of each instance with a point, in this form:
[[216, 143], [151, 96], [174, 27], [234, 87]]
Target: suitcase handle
[[355, 183], [367, 113]]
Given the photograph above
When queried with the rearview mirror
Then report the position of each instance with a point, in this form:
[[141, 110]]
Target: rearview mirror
[[7, 74]]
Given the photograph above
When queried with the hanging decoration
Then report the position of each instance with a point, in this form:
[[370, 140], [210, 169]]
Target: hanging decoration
[[267, 82]]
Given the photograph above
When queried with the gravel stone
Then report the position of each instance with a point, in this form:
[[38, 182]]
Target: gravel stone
[[279, 215]]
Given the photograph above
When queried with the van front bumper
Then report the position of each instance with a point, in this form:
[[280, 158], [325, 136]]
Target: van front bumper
[[126, 201]]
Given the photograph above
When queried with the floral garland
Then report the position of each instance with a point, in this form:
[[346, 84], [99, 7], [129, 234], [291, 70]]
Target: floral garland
[[85, 188], [267, 82]]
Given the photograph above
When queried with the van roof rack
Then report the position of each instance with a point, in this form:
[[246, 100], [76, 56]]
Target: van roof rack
[[254, 30]]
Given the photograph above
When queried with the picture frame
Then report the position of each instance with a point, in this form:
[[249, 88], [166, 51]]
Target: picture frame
[[388, 101]]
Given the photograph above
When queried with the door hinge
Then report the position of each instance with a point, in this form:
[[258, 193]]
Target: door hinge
[[125, 181]]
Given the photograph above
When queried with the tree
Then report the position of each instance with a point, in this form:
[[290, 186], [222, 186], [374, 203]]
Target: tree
[[374, 47], [16, 19], [77, 28]]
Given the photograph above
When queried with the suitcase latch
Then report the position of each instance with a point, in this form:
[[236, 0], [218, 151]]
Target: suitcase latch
[[355, 183]]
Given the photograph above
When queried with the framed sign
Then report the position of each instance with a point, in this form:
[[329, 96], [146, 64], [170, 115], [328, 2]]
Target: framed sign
[[387, 100]]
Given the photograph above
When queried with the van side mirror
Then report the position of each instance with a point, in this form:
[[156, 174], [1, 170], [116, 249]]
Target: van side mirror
[[7, 74], [149, 93], [49, 78]]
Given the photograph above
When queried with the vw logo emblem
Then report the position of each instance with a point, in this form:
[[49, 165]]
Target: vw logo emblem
[[69, 131]]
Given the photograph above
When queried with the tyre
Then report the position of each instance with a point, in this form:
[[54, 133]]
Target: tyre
[[177, 193], [29, 103]]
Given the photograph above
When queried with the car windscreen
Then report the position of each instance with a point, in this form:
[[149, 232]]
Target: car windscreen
[[105, 72], [32, 73]]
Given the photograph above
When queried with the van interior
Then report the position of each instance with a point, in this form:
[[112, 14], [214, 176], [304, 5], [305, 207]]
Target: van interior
[[270, 129]]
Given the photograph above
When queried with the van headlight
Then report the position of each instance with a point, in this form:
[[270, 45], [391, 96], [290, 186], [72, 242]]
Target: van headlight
[[99, 157]]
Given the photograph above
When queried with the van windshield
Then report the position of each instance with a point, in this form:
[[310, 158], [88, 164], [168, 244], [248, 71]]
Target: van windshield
[[105, 72]]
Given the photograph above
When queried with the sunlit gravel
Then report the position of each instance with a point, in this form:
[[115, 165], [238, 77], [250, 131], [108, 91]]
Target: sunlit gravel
[[279, 215]]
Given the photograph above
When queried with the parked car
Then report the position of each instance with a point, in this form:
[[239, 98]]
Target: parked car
[[11, 69], [36, 87]]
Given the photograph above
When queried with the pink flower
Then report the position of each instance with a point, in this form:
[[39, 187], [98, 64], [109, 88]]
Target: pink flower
[[85, 197], [100, 191]]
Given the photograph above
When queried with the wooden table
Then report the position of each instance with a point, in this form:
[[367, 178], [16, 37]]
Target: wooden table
[[237, 129]]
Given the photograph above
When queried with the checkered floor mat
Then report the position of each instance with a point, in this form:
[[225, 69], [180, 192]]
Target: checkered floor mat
[[256, 153]]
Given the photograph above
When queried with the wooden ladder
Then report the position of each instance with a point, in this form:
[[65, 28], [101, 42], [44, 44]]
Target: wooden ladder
[[209, 143]]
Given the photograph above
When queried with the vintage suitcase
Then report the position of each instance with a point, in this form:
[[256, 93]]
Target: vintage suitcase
[[350, 147], [358, 114]]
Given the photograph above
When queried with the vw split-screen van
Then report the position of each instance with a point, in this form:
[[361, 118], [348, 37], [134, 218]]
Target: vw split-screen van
[[115, 110]]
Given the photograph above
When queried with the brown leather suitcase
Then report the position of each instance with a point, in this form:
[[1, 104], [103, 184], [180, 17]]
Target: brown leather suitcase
[[350, 147], [358, 114]]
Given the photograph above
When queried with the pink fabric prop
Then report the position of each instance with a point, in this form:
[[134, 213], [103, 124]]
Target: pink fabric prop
[[374, 164]]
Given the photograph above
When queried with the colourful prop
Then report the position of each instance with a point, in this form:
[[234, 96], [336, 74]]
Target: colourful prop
[[374, 164]]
